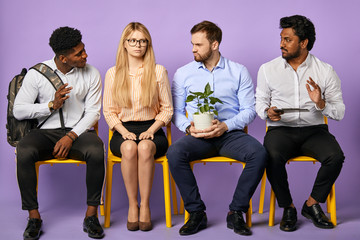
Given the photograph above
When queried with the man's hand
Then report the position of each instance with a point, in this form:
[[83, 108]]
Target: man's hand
[[274, 115], [315, 94], [216, 130], [60, 96], [62, 147]]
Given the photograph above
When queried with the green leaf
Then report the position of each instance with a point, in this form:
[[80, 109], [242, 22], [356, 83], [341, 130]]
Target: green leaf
[[202, 109], [197, 93], [207, 89], [190, 98], [215, 112], [207, 108], [214, 100]]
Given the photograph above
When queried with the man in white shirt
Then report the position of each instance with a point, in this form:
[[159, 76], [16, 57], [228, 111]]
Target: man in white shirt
[[79, 99], [294, 93]]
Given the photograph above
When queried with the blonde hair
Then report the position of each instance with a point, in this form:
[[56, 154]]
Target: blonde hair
[[121, 92]]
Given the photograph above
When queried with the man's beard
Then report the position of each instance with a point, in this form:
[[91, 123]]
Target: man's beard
[[203, 58], [292, 56]]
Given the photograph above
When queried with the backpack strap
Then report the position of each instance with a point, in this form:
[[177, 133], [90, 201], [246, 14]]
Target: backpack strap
[[56, 81]]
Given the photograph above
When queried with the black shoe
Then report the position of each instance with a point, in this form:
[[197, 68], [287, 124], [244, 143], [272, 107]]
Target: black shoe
[[289, 219], [236, 221], [92, 226], [33, 229], [317, 216], [196, 222]]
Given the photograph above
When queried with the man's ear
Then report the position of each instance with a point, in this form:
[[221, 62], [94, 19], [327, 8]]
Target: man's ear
[[214, 45], [304, 43], [63, 59]]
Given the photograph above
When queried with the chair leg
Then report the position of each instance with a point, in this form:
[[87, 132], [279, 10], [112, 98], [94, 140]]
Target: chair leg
[[181, 210], [102, 211], [262, 194], [248, 214], [186, 216], [167, 193], [333, 205], [110, 166], [272, 209], [173, 195], [328, 204], [37, 176]]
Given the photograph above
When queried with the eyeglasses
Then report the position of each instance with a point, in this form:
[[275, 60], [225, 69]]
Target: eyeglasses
[[142, 42]]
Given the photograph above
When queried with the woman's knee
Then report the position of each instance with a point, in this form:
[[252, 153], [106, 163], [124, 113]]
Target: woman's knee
[[129, 149], [146, 150]]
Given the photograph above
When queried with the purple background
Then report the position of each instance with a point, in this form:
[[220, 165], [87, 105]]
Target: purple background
[[250, 36]]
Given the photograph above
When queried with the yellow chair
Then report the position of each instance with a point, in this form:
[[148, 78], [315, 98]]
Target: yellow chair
[[331, 200], [66, 161], [112, 160], [218, 159]]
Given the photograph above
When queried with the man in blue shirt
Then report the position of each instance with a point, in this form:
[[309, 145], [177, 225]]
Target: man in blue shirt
[[232, 84]]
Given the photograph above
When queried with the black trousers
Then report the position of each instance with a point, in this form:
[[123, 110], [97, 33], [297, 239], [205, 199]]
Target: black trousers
[[283, 143], [38, 145]]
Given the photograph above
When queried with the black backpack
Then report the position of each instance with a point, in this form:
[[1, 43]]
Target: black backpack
[[18, 129]]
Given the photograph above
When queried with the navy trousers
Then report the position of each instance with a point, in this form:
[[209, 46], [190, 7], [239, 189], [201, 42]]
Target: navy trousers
[[235, 144]]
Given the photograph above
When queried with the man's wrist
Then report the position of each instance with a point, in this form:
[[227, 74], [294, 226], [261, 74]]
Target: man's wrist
[[72, 135], [187, 130], [51, 106], [266, 112], [321, 105]]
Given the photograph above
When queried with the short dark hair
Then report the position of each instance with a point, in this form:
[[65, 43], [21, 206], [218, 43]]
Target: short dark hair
[[63, 40], [213, 32], [302, 26]]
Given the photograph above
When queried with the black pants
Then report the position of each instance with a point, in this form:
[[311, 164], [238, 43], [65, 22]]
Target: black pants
[[38, 145], [283, 143]]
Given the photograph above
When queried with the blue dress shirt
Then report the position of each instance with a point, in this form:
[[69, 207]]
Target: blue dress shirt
[[231, 83]]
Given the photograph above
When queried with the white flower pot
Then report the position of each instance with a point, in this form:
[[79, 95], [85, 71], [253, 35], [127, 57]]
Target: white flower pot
[[203, 120]]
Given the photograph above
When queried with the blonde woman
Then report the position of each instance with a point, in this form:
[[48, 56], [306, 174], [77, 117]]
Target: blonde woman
[[137, 103]]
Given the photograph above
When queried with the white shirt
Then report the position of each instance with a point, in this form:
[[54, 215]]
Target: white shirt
[[81, 110], [279, 85]]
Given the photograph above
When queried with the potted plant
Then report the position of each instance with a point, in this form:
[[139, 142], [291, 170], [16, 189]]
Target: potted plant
[[205, 107]]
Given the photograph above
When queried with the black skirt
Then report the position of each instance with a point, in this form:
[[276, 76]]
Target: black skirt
[[138, 127]]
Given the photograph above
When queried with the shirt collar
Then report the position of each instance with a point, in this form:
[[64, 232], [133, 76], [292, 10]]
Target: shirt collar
[[55, 68], [220, 64], [307, 62], [139, 71]]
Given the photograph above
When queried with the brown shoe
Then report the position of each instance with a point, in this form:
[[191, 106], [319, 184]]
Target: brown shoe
[[132, 226], [145, 226]]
